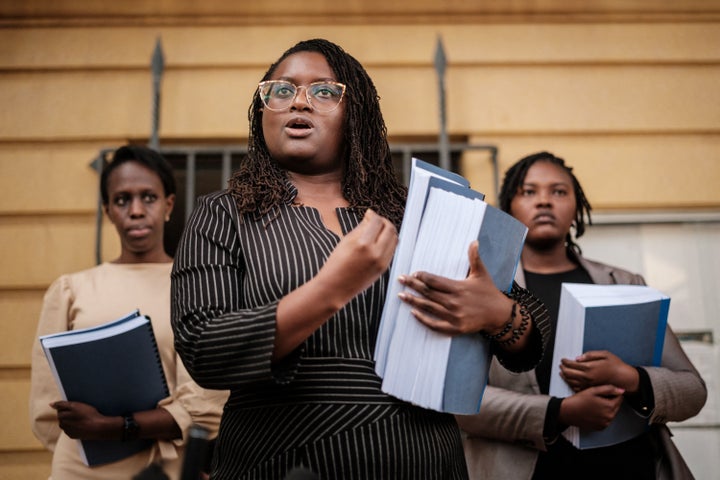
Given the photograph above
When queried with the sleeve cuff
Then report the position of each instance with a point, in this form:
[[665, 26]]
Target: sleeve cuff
[[552, 427], [642, 401]]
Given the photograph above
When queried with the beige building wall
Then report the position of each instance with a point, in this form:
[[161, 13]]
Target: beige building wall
[[625, 90]]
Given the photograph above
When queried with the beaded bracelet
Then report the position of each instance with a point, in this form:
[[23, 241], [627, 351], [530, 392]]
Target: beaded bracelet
[[520, 330], [508, 326]]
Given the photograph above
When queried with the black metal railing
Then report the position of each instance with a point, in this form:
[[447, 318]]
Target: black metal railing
[[203, 169]]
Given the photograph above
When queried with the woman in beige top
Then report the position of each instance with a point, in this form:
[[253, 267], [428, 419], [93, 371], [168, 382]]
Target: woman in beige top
[[138, 193]]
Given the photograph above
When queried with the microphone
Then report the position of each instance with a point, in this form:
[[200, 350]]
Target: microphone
[[195, 452]]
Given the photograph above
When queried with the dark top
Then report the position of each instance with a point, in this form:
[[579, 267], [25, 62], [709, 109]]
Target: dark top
[[633, 459], [547, 287], [322, 406]]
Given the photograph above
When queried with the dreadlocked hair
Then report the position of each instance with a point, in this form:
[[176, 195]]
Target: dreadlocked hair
[[515, 177], [260, 186]]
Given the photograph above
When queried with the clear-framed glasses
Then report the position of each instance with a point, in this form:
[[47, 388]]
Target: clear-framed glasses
[[278, 95]]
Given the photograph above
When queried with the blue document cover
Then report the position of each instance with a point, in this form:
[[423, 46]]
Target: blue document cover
[[500, 241], [420, 365], [627, 320], [114, 367]]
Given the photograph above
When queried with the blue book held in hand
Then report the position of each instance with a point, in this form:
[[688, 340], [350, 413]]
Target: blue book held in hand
[[627, 320], [116, 368], [442, 217]]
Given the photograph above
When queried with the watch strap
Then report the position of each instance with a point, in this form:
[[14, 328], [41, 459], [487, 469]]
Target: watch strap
[[131, 429]]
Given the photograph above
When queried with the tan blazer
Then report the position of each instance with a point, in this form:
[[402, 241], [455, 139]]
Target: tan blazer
[[503, 440]]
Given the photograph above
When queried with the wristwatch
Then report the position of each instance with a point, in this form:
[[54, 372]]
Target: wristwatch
[[131, 429]]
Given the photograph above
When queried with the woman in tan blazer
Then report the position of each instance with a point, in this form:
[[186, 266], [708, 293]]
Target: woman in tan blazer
[[518, 432]]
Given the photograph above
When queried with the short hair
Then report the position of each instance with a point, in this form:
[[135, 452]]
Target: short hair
[[144, 156], [259, 186], [515, 177]]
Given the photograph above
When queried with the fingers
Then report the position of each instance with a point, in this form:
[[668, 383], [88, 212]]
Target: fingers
[[455, 306], [477, 267], [568, 364], [608, 391], [377, 230], [372, 225], [420, 287], [594, 408], [367, 249], [432, 287], [575, 374], [425, 282], [419, 282], [593, 355], [436, 323], [575, 384], [426, 306], [61, 405]]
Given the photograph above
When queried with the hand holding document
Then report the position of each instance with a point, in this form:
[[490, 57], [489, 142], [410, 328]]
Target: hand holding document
[[442, 217], [627, 320], [116, 368]]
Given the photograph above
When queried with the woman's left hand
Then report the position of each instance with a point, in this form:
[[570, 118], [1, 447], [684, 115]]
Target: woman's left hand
[[599, 367], [82, 421], [455, 307]]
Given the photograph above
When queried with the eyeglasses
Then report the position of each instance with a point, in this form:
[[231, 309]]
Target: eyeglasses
[[277, 95]]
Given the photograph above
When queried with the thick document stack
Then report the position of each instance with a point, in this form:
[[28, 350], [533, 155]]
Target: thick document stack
[[627, 320], [443, 215], [116, 368]]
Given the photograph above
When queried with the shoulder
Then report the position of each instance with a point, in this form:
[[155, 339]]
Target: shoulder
[[65, 286], [69, 279], [219, 198], [212, 206], [603, 273]]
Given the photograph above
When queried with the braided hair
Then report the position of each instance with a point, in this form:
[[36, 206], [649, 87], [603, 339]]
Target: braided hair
[[515, 177], [260, 186]]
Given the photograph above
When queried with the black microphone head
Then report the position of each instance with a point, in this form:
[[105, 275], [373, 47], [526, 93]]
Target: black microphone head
[[196, 452]]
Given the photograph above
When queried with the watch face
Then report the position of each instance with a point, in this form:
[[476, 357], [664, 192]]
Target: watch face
[[131, 428]]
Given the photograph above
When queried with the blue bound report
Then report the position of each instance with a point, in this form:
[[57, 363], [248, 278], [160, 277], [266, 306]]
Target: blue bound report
[[627, 320], [442, 217], [116, 368], [420, 175]]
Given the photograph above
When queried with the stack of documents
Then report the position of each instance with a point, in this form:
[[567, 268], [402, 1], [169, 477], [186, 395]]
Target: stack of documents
[[443, 215], [627, 320]]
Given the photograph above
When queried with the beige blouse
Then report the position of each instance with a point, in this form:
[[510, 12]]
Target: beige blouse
[[98, 295]]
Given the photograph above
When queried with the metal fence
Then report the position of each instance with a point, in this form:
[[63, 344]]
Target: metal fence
[[204, 169]]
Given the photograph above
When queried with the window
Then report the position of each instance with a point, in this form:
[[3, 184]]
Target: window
[[200, 170]]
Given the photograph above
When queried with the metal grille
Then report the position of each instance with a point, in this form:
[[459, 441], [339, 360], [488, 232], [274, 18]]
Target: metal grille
[[200, 170]]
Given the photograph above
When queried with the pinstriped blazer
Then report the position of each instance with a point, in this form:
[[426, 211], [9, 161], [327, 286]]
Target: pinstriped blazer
[[504, 439]]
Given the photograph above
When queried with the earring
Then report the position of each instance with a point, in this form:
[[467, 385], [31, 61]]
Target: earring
[[167, 218]]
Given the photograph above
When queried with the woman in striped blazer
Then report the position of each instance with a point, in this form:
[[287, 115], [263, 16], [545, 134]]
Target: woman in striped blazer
[[279, 283]]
